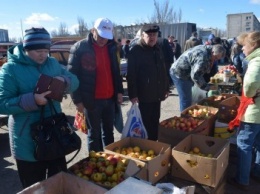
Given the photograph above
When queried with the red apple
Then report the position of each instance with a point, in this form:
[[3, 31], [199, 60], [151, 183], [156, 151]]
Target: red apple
[[87, 170]]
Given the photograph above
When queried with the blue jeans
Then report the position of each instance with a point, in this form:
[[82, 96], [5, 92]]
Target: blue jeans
[[100, 122], [248, 138], [184, 88]]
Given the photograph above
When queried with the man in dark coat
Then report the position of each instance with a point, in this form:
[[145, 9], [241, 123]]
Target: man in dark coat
[[147, 78]]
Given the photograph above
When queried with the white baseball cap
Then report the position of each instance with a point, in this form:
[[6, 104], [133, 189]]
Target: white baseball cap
[[104, 28]]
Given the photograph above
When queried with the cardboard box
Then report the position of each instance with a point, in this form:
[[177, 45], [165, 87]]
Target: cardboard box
[[228, 109], [133, 185], [214, 101], [174, 136], [201, 169], [64, 183], [210, 119], [157, 167]]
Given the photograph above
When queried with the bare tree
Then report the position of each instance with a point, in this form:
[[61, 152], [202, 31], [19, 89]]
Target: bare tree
[[54, 33], [164, 14], [82, 28], [63, 30]]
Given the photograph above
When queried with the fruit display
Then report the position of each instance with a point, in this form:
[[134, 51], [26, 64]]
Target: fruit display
[[202, 113], [136, 152], [181, 123], [231, 68], [104, 169]]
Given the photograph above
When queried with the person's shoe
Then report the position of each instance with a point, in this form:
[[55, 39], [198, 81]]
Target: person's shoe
[[255, 178], [232, 181]]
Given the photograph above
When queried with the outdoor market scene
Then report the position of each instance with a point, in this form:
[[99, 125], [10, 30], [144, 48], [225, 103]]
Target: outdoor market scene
[[163, 105]]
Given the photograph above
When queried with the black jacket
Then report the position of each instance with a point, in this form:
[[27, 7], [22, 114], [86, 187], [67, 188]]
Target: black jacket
[[82, 62], [146, 73]]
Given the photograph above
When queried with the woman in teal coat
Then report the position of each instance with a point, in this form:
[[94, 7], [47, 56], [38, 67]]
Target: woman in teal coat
[[18, 78], [248, 138]]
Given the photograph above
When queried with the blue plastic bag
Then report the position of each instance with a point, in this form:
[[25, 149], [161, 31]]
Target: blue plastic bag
[[134, 126]]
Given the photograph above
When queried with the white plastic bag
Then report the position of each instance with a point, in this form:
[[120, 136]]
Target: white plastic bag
[[197, 94], [134, 126]]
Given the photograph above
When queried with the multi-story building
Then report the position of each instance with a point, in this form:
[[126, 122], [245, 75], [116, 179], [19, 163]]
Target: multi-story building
[[4, 35], [241, 22]]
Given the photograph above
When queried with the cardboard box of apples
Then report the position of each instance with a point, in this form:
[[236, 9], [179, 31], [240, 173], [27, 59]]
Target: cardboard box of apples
[[175, 129], [156, 155], [200, 159], [107, 170], [207, 113], [215, 100]]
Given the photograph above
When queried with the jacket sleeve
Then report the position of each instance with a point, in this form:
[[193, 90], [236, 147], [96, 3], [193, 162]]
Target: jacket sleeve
[[132, 73], [74, 67], [252, 79], [11, 102], [199, 68], [71, 80]]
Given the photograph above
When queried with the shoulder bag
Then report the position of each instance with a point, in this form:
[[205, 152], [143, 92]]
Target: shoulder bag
[[54, 136]]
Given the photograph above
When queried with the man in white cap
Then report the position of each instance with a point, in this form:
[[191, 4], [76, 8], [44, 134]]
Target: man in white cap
[[95, 63]]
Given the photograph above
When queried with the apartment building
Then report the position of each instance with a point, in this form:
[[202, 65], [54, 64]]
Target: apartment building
[[241, 22]]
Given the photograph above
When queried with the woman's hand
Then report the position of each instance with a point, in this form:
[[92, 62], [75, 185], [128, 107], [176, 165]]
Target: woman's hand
[[134, 100], [80, 107], [120, 98], [40, 99]]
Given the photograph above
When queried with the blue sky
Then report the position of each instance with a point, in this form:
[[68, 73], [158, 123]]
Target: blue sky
[[50, 13]]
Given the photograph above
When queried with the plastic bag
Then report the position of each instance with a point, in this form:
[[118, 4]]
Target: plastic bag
[[169, 188], [80, 122], [197, 94], [134, 126]]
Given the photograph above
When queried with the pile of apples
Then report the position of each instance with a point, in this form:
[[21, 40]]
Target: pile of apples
[[196, 151], [230, 68], [202, 113], [220, 98], [181, 123], [104, 169], [136, 152]]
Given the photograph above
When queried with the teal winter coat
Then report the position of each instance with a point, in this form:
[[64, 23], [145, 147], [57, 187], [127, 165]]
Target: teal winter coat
[[18, 78]]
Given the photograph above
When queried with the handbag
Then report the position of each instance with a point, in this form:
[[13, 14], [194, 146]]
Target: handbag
[[48, 83], [54, 136], [134, 126], [80, 122]]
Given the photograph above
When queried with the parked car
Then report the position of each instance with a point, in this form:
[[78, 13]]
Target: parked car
[[123, 67], [61, 50]]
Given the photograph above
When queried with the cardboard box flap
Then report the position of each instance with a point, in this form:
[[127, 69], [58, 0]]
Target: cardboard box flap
[[64, 183], [133, 168]]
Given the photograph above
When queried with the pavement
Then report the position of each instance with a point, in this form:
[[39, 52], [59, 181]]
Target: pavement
[[9, 180]]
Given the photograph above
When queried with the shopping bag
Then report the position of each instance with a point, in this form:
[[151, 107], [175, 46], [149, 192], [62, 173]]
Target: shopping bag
[[80, 122], [134, 126], [118, 121], [197, 94]]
